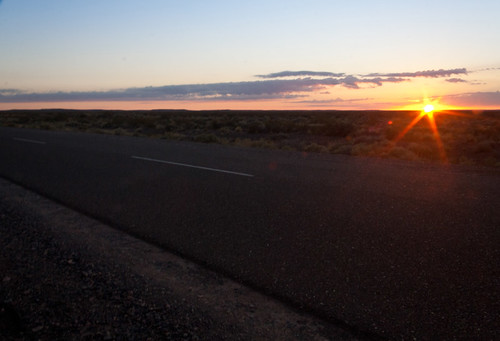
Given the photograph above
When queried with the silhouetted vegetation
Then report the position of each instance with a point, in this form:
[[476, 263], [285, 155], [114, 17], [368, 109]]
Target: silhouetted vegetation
[[467, 137]]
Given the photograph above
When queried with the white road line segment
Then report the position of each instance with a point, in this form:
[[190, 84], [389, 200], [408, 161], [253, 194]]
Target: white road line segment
[[28, 140], [191, 166]]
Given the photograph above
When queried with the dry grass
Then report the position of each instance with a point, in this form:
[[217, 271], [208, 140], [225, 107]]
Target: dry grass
[[468, 138]]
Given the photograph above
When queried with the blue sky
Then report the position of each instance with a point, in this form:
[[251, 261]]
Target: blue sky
[[61, 51]]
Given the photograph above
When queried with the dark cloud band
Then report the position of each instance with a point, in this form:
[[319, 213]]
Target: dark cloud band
[[285, 84]]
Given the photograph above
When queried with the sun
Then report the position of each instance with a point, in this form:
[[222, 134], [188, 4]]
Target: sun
[[429, 108]]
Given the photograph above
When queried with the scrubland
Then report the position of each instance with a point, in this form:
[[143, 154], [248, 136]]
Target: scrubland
[[467, 137]]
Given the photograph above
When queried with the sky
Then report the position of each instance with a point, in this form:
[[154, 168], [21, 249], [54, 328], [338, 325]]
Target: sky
[[269, 54]]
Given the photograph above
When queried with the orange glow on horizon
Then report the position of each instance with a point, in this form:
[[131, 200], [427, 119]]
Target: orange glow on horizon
[[429, 104], [154, 105], [268, 104]]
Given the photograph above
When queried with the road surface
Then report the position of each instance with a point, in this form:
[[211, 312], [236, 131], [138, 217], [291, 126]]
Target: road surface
[[388, 248]]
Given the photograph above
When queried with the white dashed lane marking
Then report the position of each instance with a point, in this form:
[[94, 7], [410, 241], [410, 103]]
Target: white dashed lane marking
[[28, 140], [192, 166]]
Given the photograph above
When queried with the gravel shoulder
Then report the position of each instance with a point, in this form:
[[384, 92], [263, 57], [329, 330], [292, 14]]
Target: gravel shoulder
[[66, 276]]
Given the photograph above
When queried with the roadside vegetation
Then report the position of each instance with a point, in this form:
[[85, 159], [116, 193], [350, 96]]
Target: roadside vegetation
[[470, 138]]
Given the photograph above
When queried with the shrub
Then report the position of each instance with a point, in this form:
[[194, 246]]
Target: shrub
[[484, 147], [315, 148], [262, 143], [206, 138], [424, 150], [255, 127], [225, 130], [464, 160], [342, 149], [391, 132], [362, 149], [278, 136], [402, 153], [337, 128]]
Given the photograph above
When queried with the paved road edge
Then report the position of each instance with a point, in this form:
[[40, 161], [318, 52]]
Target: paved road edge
[[256, 315]]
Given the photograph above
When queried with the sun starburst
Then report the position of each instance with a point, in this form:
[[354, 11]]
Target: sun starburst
[[428, 110]]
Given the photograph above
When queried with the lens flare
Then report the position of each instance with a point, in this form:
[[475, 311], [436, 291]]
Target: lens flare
[[427, 111]]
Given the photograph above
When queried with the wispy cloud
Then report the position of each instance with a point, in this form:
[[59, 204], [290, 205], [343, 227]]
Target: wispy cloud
[[353, 82], [301, 74], [456, 80], [426, 73], [8, 92]]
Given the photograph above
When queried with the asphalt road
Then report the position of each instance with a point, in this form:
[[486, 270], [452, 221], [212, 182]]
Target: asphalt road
[[390, 248]]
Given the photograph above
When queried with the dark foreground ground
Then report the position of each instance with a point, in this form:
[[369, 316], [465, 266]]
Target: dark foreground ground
[[65, 276], [397, 249]]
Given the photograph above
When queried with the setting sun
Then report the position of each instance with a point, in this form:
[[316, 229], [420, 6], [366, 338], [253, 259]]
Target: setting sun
[[429, 108]]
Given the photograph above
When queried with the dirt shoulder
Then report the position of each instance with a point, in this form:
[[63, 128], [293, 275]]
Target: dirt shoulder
[[66, 276]]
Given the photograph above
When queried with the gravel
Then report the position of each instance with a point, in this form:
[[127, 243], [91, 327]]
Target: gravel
[[65, 276]]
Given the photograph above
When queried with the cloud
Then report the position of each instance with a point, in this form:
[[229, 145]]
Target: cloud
[[268, 89], [488, 69], [283, 74], [456, 80], [475, 99], [280, 85], [426, 73], [234, 90], [8, 92], [353, 82]]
